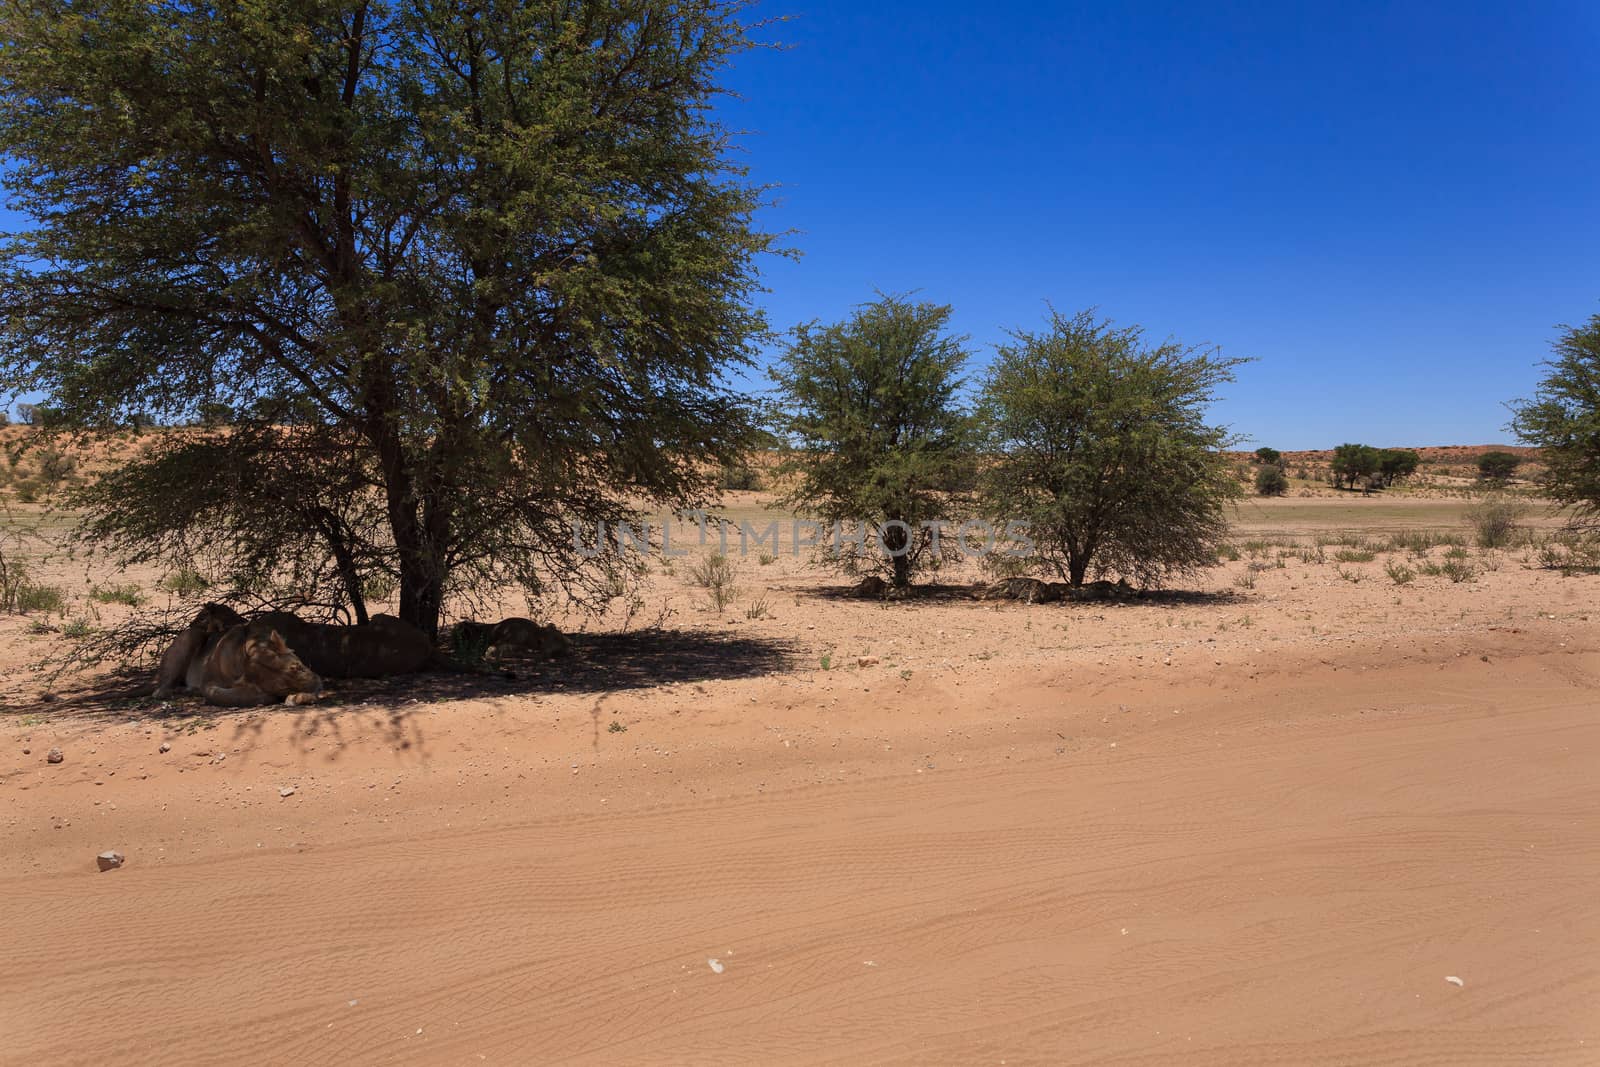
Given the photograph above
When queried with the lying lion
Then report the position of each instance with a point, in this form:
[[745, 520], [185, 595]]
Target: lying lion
[[235, 665], [544, 640], [383, 647]]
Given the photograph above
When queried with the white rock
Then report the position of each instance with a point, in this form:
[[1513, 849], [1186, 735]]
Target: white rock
[[1453, 980], [716, 966]]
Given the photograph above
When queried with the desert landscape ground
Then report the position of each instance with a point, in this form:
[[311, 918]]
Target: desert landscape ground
[[1297, 811]]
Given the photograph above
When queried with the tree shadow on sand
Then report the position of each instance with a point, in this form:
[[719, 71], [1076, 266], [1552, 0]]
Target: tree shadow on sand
[[598, 663]]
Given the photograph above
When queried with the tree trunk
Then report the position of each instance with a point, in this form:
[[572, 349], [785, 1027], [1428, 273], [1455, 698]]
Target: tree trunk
[[896, 540], [1077, 567]]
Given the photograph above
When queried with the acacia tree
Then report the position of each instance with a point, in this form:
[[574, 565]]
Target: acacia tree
[[493, 253], [1563, 421], [1101, 446], [869, 406]]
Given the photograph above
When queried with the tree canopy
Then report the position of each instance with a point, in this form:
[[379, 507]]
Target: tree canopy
[[1498, 466], [1099, 442], [869, 406], [493, 255], [1563, 420]]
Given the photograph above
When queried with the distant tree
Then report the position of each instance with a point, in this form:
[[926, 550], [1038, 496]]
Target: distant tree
[[1563, 420], [1101, 445], [869, 407], [142, 420], [5, 418], [1271, 481], [1396, 464], [214, 413], [502, 251], [28, 414], [1498, 466], [1270, 457], [1352, 463]]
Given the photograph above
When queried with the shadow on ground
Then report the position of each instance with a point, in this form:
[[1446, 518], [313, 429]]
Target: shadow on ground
[[599, 663]]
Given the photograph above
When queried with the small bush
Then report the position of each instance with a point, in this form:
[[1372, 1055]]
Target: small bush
[[714, 573], [1271, 481], [77, 629], [1458, 570], [30, 597], [1355, 555], [739, 476], [1399, 573], [766, 559], [1495, 519], [759, 610], [1227, 552], [117, 594], [1269, 457], [185, 582], [27, 490]]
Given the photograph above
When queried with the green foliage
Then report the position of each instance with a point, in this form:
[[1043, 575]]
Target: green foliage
[[1498, 466], [1396, 464], [1399, 573], [469, 646], [128, 594], [739, 477], [185, 583], [1352, 462], [496, 255], [1271, 481], [869, 406], [1563, 420], [1102, 448], [1494, 520], [77, 629], [1269, 457]]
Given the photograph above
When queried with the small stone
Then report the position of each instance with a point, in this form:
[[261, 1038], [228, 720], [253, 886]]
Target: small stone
[[1453, 980], [27, 752], [286, 791], [55, 755], [866, 661], [166, 746], [108, 861]]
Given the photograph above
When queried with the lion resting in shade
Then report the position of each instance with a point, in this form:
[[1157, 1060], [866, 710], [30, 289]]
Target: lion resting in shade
[[382, 647], [517, 634], [235, 663]]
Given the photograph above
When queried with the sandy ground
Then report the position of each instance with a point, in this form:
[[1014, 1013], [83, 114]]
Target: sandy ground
[[1261, 823]]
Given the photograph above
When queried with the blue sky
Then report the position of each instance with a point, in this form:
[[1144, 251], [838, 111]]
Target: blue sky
[[1389, 206]]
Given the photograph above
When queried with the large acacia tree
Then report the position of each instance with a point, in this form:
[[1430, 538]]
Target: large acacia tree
[[1100, 444], [491, 256]]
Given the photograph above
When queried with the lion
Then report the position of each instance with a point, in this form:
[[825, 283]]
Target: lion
[[543, 640], [386, 645], [382, 647], [1029, 590], [241, 666]]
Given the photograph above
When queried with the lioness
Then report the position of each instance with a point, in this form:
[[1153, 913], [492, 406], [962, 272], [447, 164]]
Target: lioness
[[382, 647], [245, 665], [541, 639]]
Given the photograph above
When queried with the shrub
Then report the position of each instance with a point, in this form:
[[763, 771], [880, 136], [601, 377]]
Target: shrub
[[1458, 570], [78, 628], [1355, 555], [27, 490], [468, 646], [117, 594], [1271, 481], [1399, 573], [714, 573], [1495, 519], [739, 476], [184, 583], [30, 597], [1269, 457]]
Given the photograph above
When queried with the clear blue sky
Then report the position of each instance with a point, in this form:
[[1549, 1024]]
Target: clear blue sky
[[1389, 206]]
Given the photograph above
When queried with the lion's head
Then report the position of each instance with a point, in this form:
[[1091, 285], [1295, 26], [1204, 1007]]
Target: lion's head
[[272, 666]]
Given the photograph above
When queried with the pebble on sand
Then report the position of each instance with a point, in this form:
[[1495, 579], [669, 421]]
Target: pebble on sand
[[55, 755], [108, 861]]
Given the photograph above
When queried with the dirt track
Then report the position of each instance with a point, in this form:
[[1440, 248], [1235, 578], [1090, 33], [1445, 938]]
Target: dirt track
[[1188, 867]]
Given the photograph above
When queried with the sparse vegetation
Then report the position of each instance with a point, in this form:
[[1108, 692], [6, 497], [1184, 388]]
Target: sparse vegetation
[[127, 593], [1399, 573], [185, 582], [1498, 466], [715, 574], [1271, 481], [1495, 520]]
